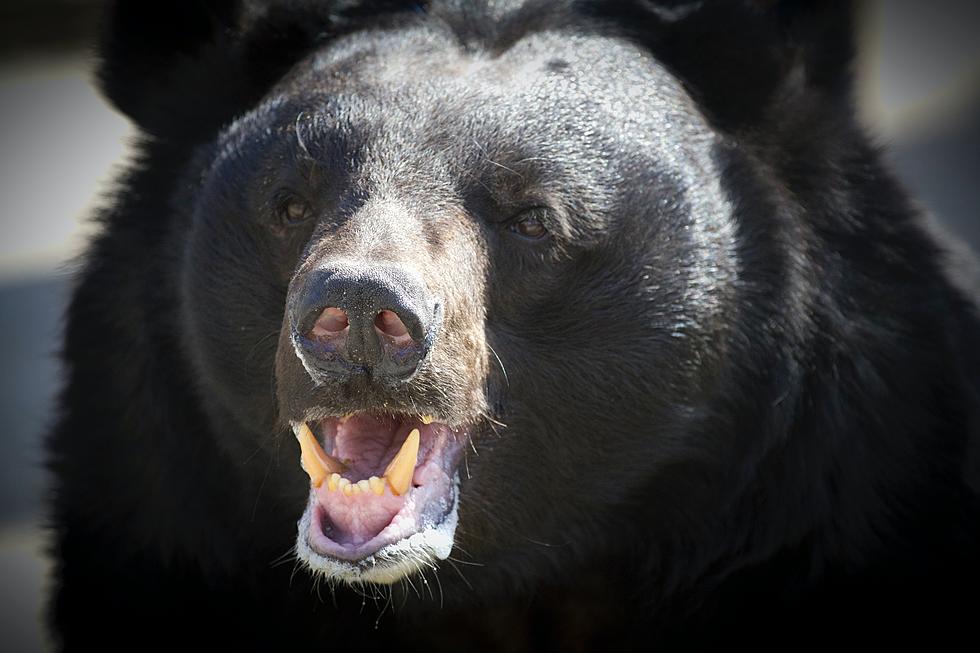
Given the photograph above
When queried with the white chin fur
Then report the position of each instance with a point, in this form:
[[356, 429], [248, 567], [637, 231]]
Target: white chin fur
[[392, 562]]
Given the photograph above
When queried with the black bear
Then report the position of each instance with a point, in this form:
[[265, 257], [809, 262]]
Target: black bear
[[509, 325]]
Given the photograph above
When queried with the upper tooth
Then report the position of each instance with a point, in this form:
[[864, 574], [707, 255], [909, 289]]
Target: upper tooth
[[317, 463], [402, 466], [427, 419], [312, 467], [308, 457]]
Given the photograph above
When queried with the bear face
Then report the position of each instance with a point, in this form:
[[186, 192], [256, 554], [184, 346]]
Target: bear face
[[514, 199], [611, 304]]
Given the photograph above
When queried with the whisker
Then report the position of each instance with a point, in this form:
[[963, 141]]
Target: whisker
[[460, 573], [412, 585], [258, 494], [500, 363], [280, 560], [441, 595]]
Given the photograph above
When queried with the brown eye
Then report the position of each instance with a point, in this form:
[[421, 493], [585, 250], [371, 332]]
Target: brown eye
[[530, 227], [294, 212]]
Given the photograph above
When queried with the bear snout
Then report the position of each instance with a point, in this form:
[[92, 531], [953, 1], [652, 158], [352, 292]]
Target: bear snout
[[362, 319]]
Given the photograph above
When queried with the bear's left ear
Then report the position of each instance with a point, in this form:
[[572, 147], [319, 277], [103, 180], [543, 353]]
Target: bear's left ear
[[181, 68], [742, 58]]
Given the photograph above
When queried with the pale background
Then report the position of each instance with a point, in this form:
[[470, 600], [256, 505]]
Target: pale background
[[60, 144]]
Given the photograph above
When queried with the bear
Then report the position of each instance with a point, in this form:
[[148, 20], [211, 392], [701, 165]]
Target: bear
[[514, 325]]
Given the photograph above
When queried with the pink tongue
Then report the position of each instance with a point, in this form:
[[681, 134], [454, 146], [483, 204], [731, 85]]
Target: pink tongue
[[357, 518]]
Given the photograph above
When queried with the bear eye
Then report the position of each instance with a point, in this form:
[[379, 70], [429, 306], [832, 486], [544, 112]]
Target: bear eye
[[529, 226], [293, 212]]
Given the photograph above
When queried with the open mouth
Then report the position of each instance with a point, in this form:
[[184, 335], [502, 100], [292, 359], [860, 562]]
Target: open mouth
[[384, 493]]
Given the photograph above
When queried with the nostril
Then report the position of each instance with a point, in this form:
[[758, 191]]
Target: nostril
[[388, 323], [370, 322], [331, 322]]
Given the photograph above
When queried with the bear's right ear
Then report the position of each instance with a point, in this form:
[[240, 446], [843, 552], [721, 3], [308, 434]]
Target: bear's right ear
[[182, 68]]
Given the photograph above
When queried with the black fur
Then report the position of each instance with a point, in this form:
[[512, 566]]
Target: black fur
[[740, 379]]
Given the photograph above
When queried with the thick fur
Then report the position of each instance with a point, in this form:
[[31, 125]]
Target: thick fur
[[732, 397]]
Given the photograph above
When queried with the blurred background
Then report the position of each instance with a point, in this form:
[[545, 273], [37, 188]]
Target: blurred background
[[918, 76]]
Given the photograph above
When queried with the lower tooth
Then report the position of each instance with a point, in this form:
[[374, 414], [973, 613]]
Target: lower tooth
[[364, 486], [333, 481]]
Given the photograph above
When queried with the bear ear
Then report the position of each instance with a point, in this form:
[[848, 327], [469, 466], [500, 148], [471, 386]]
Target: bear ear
[[166, 64], [743, 58], [182, 68]]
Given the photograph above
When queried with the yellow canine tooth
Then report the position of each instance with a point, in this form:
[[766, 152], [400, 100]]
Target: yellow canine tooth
[[315, 461], [377, 485], [399, 471], [313, 467], [427, 419], [308, 458], [333, 481]]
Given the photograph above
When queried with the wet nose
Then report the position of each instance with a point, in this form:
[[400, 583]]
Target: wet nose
[[375, 320]]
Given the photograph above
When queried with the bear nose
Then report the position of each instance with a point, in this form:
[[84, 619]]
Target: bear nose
[[376, 320]]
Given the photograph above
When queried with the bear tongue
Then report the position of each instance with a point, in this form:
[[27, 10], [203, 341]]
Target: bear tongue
[[356, 518]]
